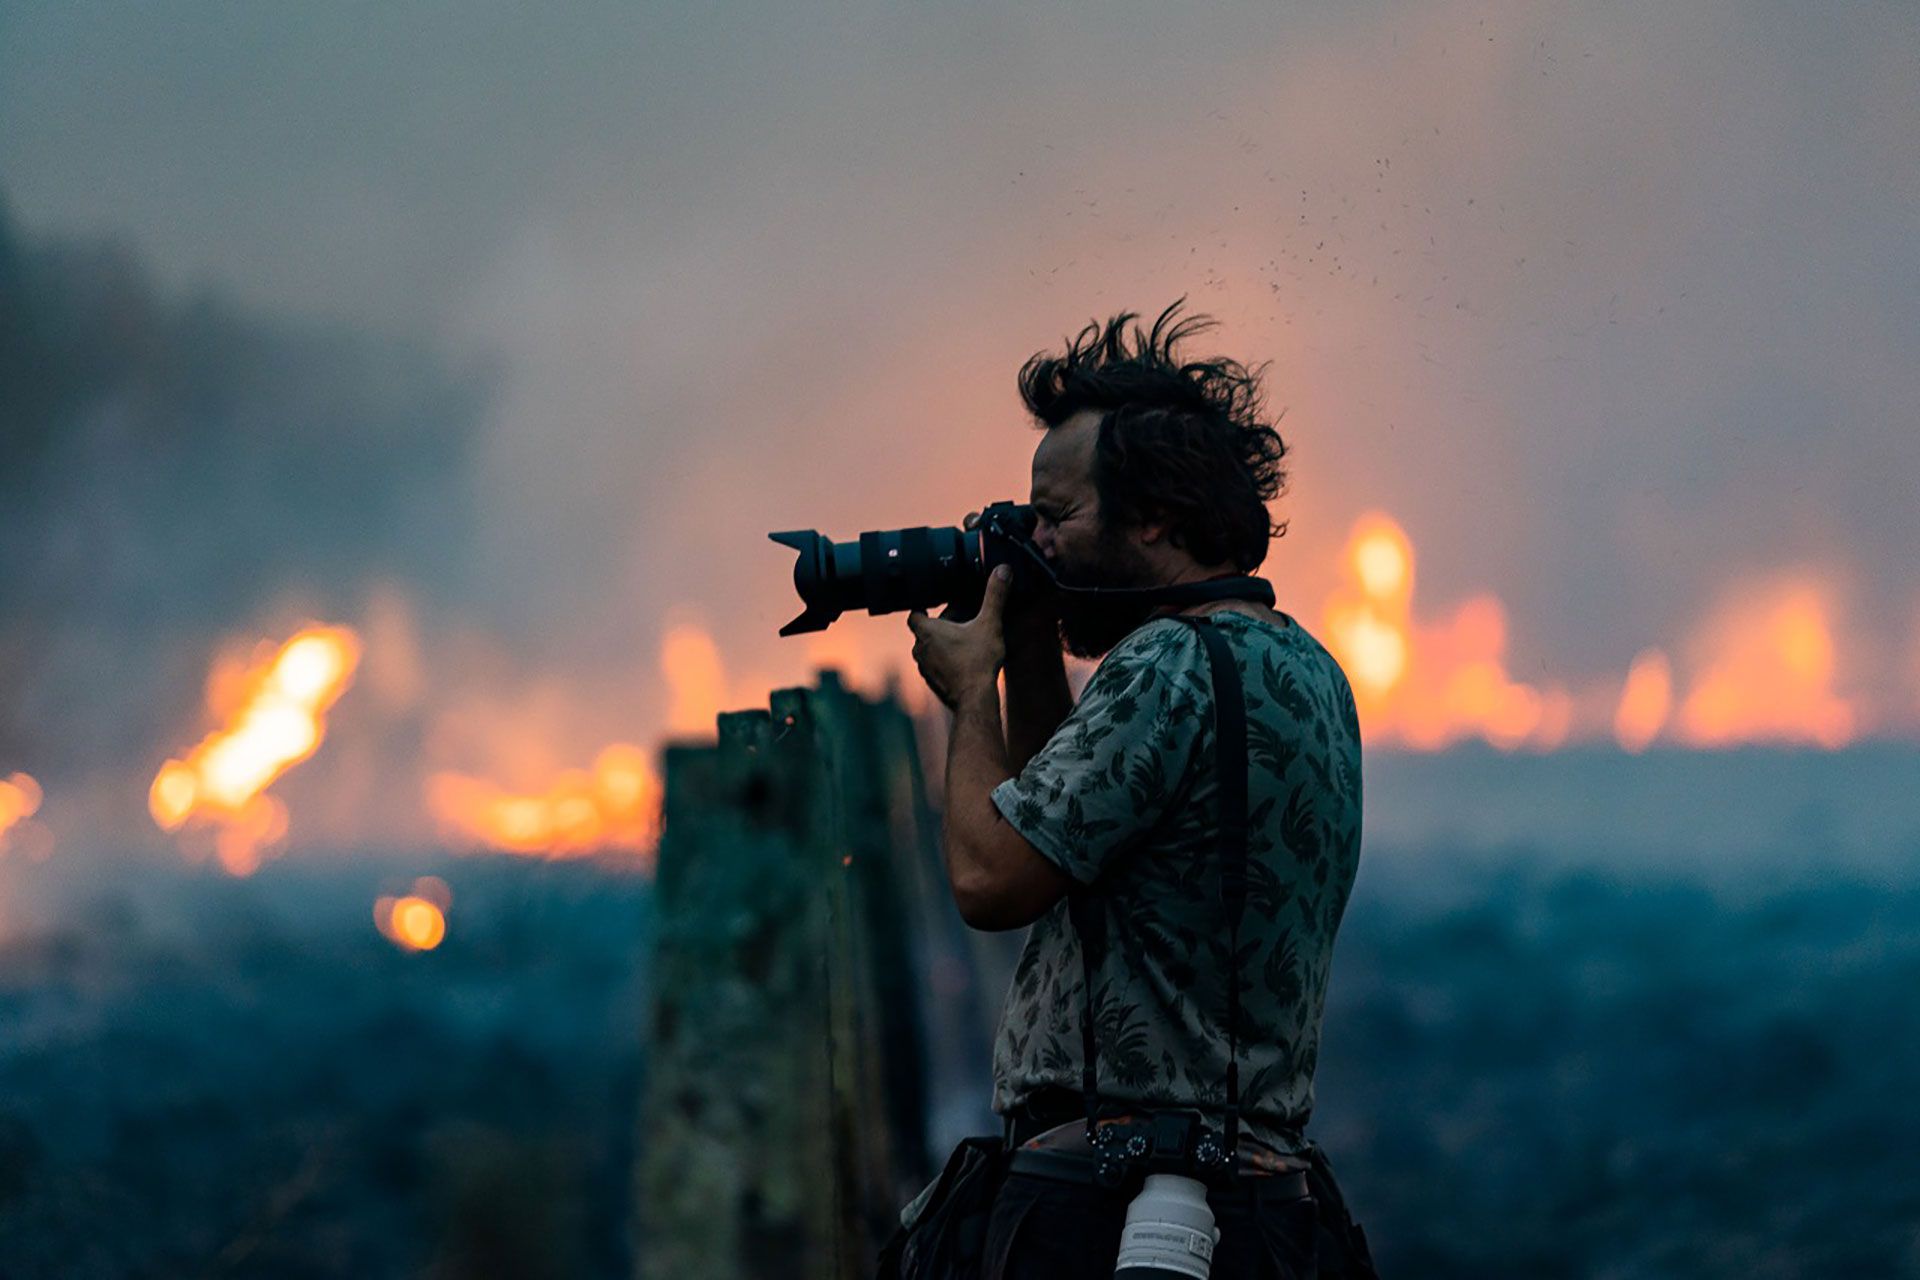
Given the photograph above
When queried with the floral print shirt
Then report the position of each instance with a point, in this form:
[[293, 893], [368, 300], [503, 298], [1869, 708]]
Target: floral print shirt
[[1125, 797]]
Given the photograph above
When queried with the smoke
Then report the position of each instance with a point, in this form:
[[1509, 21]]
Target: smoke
[[170, 470], [1605, 305], [1596, 303]]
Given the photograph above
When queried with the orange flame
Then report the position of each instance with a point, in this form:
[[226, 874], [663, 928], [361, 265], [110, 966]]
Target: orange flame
[[696, 680], [275, 711], [1645, 702], [1368, 628], [614, 806], [20, 798], [1426, 687], [1768, 671], [699, 686], [416, 921]]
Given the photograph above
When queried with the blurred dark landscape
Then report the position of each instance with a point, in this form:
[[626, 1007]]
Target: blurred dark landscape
[[1533, 1064], [201, 1076], [1573, 1072]]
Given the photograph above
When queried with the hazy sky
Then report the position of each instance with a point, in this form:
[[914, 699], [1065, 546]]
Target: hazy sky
[[1609, 305]]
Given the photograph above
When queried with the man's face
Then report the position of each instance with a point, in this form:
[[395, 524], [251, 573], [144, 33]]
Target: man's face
[[1083, 548]]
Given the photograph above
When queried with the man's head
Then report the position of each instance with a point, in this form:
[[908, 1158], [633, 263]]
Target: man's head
[[1151, 472]]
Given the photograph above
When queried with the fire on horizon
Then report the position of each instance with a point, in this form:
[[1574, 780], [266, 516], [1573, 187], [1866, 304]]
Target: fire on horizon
[[1763, 669], [1760, 669], [274, 709]]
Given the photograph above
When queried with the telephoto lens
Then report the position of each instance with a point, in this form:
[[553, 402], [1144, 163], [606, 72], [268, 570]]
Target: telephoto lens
[[890, 570], [1169, 1231]]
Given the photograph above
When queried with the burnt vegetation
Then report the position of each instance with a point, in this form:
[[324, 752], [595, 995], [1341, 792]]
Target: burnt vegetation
[[1551, 1073]]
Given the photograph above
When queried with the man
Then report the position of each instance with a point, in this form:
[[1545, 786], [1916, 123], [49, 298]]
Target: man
[[1151, 471]]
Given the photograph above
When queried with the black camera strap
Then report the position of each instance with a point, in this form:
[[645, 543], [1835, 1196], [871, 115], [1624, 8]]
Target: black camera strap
[[1090, 922]]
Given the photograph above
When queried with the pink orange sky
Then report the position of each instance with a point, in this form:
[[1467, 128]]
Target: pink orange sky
[[1608, 308]]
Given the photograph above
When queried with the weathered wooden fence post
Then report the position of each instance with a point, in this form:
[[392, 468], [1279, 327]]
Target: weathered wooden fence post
[[784, 1117]]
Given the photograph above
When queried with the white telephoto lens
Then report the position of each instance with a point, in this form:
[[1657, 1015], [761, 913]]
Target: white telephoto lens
[[1169, 1231]]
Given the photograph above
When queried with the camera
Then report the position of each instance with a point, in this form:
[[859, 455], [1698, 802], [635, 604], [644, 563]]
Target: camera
[[895, 569], [1169, 1228]]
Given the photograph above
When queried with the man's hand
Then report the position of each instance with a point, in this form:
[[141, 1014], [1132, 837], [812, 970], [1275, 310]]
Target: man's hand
[[957, 658], [1029, 618]]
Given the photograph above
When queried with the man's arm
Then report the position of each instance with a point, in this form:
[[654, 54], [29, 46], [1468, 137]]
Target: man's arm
[[1038, 698], [1000, 881]]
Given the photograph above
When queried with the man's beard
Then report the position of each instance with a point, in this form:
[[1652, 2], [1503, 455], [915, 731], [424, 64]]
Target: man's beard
[[1091, 627]]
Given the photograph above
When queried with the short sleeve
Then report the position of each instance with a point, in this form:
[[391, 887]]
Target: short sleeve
[[1113, 768]]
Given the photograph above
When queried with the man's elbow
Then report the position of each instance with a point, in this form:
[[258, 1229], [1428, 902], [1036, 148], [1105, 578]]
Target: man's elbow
[[1007, 891], [989, 910], [983, 901]]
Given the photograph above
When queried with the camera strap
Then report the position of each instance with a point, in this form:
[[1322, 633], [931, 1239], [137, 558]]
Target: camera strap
[[1090, 922]]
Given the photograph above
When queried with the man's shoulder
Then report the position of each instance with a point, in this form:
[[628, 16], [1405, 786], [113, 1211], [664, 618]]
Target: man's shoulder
[[1294, 647], [1155, 633], [1162, 643]]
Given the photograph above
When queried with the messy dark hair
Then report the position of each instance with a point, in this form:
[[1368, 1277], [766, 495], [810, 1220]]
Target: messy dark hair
[[1187, 443]]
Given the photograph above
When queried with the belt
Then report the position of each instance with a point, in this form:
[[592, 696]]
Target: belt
[[1083, 1170], [1063, 1154], [1045, 1109]]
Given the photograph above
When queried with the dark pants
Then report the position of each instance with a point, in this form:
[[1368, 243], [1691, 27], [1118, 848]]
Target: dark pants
[[984, 1223], [1042, 1229]]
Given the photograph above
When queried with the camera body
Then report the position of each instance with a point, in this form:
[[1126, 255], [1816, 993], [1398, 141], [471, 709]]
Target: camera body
[[1173, 1141], [1169, 1229]]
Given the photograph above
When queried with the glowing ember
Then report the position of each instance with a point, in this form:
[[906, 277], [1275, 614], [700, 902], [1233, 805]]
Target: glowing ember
[[434, 890], [416, 921], [275, 712], [615, 806], [1768, 670], [1645, 702], [1428, 686], [19, 800]]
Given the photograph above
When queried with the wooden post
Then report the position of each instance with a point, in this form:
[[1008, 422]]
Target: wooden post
[[784, 1116]]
